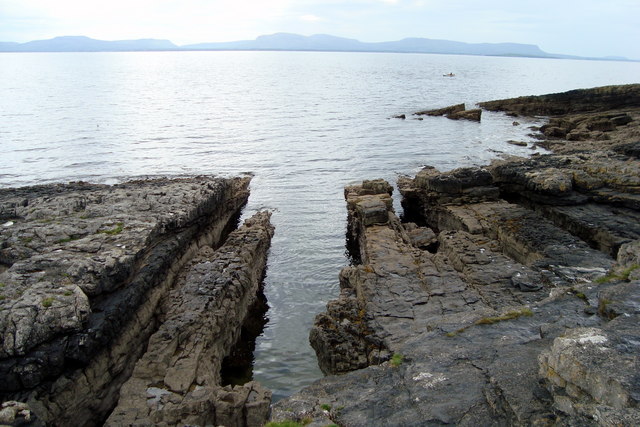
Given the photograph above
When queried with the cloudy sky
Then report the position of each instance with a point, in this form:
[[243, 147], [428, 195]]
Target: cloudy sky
[[578, 27]]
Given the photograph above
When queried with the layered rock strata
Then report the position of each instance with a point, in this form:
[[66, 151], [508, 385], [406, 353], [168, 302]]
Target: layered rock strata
[[85, 268], [600, 99], [177, 380], [511, 298]]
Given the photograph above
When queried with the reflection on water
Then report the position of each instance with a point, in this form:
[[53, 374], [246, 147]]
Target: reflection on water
[[305, 124]]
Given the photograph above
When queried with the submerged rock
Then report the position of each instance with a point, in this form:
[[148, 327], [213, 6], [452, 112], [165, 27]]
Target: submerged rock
[[517, 143]]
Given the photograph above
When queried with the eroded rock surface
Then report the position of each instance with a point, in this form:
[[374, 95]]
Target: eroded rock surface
[[177, 380], [511, 298], [85, 268]]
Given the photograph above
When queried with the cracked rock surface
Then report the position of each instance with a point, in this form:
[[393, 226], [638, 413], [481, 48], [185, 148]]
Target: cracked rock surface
[[86, 270], [177, 380], [508, 296]]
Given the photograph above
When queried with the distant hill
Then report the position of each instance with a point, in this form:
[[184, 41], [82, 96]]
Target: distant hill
[[286, 41], [322, 42], [86, 44]]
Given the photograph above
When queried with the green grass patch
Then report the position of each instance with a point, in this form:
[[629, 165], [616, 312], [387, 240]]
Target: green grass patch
[[603, 309], [396, 360], [456, 332], [2, 297], [326, 406], [622, 275], [605, 279], [2, 285], [579, 294], [48, 302], [114, 231], [509, 315]]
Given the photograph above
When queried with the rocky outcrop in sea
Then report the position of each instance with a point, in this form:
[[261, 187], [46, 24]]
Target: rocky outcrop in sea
[[506, 295], [127, 295], [453, 112]]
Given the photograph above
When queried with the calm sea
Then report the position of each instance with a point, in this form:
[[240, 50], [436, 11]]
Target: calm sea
[[306, 124]]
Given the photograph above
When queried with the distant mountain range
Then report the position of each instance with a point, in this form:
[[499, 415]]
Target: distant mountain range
[[290, 42], [86, 44]]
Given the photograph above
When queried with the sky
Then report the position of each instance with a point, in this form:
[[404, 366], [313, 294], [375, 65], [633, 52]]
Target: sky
[[575, 27]]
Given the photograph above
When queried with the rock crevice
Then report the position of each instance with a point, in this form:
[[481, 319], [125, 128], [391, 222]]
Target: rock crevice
[[87, 269], [177, 380]]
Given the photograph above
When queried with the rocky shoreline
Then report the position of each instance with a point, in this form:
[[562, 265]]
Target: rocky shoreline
[[96, 279], [504, 295], [507, 295]]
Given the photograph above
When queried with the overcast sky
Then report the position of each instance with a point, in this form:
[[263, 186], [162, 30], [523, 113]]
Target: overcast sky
[[584, 27]]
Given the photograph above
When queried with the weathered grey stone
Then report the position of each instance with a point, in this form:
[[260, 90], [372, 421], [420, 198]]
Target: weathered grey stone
[[517, 143], [377, 186], [14, 413], [421, 237], [373, 210], [621, 120], [338, 335], [473, 115], [87, 268], [554, 132], [203, 318], [526, 282], [629, 254], [454, 181], [602, 125], [596, 368]]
